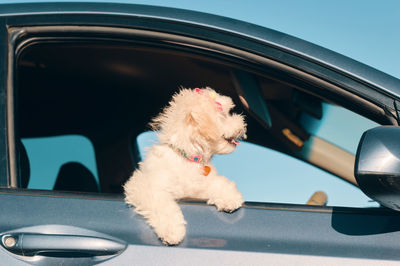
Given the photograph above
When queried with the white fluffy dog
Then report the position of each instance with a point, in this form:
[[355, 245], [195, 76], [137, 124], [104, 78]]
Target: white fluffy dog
[[195, 125]]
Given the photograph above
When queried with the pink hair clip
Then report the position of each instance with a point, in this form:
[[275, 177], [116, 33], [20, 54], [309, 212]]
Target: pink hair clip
[[199, 91], [213, 95], [219, 106]]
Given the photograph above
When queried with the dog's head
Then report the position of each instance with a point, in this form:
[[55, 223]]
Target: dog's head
[[199, 121]]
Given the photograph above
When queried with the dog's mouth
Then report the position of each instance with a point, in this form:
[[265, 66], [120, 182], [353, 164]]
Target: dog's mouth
[[233, 141]]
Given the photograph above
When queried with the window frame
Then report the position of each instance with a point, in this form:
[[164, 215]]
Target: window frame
[[4, 104]]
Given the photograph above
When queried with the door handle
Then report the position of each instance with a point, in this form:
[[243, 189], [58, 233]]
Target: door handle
[[30, 244]]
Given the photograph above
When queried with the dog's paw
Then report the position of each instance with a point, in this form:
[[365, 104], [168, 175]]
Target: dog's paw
[[229, 203], [228, 206], [172, 235]]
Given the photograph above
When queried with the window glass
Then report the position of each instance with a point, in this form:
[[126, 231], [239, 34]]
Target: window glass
[[340, 126], [266, 175], [47, 155]]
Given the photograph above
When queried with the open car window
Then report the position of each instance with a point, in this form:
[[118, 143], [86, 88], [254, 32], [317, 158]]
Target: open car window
[[85, 103], [266, 175]]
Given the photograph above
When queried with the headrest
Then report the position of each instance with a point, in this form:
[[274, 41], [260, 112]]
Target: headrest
[[74, 176]]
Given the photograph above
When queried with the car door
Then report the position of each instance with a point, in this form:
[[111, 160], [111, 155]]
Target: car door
[[61, 227]]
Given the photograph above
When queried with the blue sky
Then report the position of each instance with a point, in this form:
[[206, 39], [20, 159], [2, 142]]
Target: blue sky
[[365, 30]]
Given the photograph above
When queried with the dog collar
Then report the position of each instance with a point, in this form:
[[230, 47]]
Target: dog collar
[[192, 158]]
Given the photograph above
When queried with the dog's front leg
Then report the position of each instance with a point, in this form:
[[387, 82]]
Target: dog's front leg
[[222, 193], [167, 220], [163, 215]]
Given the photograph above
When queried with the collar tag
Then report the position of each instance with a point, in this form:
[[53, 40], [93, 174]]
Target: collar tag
[[206, 170]]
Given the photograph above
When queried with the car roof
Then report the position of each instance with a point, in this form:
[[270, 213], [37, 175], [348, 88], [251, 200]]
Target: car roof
[[284, 42]]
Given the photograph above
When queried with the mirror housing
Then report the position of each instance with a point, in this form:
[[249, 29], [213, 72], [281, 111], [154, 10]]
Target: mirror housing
[[377, 165]]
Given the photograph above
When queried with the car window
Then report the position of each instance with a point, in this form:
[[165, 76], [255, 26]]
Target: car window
[[266, 175], [50, 156], [81, 125]]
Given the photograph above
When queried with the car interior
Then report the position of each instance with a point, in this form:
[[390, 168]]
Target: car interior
[[109, 89]]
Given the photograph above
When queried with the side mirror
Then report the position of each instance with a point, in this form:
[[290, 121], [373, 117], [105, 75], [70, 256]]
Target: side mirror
[[377, 166]]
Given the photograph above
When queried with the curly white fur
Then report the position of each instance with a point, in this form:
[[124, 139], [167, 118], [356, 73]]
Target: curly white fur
[[192, 124]]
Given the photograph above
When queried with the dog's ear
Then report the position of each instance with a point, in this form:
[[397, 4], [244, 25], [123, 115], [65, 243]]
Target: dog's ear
[[203, 124]]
